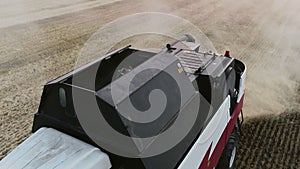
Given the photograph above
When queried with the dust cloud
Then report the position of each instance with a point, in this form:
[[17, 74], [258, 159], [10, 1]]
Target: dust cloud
[[263, 34], [273, 69]]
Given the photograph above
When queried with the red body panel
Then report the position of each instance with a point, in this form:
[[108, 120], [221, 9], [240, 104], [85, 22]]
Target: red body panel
[[209, 163]]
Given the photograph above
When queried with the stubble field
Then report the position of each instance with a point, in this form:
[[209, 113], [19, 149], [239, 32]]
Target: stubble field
[[264, 34]]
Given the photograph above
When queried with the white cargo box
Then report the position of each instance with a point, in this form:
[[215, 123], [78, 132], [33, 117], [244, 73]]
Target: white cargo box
[[48, 149]]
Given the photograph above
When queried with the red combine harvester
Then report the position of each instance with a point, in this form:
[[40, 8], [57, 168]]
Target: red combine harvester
[[200, 93]]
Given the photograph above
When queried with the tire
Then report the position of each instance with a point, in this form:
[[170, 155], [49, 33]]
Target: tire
[[228, 156]]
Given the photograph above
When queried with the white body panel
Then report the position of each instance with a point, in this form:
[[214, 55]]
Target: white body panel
[[210, 136], [242, 85], [48, 149]]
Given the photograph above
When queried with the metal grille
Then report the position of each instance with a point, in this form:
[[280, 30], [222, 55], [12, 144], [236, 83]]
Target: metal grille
[[192, 61]]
